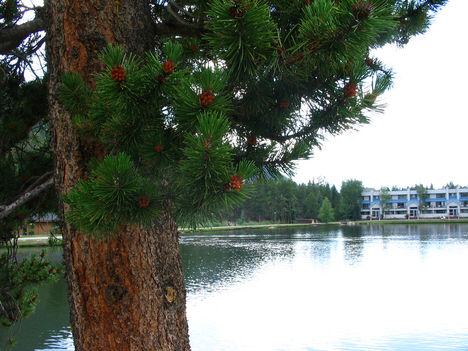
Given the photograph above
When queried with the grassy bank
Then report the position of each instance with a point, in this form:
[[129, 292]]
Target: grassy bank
[[251, 226], [35, 241]]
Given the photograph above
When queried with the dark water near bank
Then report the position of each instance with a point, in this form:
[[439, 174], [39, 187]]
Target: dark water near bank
[[392, 287]]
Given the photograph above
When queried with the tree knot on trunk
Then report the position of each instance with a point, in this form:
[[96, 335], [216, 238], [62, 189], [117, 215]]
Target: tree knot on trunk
[[170, 294], [114, 294]]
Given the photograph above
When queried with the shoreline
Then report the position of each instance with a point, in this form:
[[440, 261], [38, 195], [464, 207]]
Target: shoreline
[[42, 240], [360, 222]]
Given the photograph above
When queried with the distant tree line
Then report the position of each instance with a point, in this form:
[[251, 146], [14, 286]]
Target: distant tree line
[[284, 201]]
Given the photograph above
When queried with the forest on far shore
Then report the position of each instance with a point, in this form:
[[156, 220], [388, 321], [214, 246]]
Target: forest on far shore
[[284, 201]]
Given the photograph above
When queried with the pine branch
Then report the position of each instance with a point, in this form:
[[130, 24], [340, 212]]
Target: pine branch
[[38, 181], [311, 129], [12, 37], [179, 19], [15, 312], [428, 5], [3, 312], [25, 197]]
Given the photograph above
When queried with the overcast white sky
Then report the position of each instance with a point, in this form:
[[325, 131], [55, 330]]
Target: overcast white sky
[[422, 137]]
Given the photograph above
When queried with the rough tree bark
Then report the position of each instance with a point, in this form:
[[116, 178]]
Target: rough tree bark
[[127, 292]]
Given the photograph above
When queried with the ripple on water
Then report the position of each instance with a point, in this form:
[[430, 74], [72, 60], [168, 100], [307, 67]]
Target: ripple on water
[[62, 340]]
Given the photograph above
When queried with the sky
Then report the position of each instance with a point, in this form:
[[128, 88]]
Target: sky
[[422, 136]]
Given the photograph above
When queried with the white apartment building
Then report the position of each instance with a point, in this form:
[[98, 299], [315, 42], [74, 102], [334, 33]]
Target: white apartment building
[[439, 203]]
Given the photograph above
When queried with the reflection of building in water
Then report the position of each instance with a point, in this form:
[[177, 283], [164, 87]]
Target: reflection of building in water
[[437, 231], [438, 203]]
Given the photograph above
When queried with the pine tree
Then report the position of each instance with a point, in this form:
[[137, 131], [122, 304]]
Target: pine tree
[[312, 205], [326, 213], [169, 124]]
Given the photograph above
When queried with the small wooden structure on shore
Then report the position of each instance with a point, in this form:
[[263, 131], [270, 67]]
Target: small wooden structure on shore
[[307, 220], [42, 225]]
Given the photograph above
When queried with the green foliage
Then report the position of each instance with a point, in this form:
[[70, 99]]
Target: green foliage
[[24, 150], [10, 13], [422, 195], [25, 161], [283, 201], [327, 28], [450, 185], [18, 296], [203, 210], [188, 105], [350, 204], [311, 206], [52, 241], [111, 197], [385, 198], [75, 92], [413, 18], [242, 34], [326, 211]]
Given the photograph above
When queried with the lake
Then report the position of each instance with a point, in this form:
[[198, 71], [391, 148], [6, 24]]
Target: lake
[[378, 287]]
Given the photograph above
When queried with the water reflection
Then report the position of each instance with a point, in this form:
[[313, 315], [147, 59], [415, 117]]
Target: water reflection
[[350, 288], [353, 244], [379, 287]]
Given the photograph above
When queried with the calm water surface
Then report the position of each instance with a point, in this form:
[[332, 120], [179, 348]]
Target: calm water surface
[[393, 287]]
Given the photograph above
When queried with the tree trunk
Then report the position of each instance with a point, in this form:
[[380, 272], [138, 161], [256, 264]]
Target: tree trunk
[[127, 292]]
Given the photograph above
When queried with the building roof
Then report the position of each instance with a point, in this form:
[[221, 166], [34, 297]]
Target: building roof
[[48, 217]]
